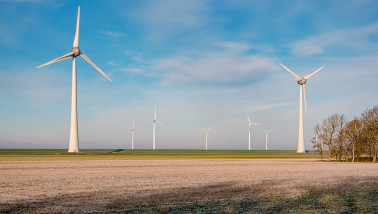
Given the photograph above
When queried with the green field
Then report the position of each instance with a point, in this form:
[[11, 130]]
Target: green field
[[145, 154]]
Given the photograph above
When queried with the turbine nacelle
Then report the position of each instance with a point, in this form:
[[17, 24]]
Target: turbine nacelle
[[76, 51], [302, 81]]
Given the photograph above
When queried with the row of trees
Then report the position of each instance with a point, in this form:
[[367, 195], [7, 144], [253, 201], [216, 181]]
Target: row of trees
[[348, 139]]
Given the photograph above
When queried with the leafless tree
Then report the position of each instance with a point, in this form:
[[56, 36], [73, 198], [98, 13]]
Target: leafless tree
[[370, 124], [355, 138], [317, 140], [332, 133]]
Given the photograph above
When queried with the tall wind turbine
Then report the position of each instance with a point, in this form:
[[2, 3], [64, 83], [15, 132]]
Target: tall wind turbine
[[250, 124], [207, 134], [266, 139], [75, 51], [302, 86], [154, 120], [132, 136]]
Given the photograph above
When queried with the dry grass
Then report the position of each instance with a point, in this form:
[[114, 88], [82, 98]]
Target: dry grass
[[114, 185]]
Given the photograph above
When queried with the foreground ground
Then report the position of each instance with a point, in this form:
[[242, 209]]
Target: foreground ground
[[188, 186]]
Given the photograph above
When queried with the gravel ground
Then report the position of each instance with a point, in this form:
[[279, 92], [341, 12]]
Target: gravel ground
[[89, 186]]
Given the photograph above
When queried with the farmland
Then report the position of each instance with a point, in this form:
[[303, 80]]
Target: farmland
[[167, 154], [186, 185]]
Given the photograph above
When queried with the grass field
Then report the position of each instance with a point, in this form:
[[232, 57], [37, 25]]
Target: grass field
[[145, 154], [188, 186]]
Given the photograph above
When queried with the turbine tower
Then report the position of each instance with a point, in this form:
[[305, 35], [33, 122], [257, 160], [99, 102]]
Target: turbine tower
[[266, 139], [207, 134], [132, 136], [250, 124], [75, 52], [302, 86], [154, 120]]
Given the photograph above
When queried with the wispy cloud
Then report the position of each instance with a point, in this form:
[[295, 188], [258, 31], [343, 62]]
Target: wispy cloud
[[234, 46], [167, 18], [215, 68], [134, 70], [115, 34], [347, 38], [267, 106]]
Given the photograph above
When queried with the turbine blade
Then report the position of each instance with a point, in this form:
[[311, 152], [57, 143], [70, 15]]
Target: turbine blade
[[57, 59], [304, 93], [90, 62], [296, 76], [256, 124], [312, 74], [249, 119], [76, 40], [161, 123]]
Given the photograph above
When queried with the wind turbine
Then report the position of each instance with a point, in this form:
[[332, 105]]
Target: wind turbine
[[250, 124], [207, 134], [266, 139], [75, 52], [132, 136], [302, 86], [154, 119]]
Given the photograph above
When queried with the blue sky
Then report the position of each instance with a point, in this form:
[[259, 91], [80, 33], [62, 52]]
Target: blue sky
[[203, 63]]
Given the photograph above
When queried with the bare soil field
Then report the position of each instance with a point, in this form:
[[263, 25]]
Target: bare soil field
[[187, 186]]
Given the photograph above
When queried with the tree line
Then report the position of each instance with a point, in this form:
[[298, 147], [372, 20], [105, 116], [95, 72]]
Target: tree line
[[348, 140]]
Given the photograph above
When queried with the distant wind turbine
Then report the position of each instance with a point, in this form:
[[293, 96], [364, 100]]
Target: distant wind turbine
[[207, 134], [75, 51], [250, 124], [132, 136], [266, 139], [154, 120], [302, 85]]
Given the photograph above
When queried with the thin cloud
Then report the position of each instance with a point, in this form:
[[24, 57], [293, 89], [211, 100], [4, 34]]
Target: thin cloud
[[133, 70], [234, 46], [267, 106], [168, 18], [215, 68], [354, 39], [115, 34]]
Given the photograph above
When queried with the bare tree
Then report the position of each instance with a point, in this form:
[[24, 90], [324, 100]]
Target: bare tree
[[370, 124], [331, 127], [317, 140], [355, 138]]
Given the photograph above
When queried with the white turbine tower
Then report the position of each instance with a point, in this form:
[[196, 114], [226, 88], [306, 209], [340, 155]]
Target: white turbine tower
[[266, 139], [250, 124], [207, 134], [132, 136], [75, 51], [154, 120], [302, 86]]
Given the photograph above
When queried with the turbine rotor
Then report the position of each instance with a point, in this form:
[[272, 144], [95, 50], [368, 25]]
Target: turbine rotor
[[76, 51]]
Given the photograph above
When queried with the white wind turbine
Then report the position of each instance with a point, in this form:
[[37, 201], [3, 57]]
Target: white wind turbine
[[154, 119], [250, 124], [302, 86], [132, 136], [75, 51], [207, 134], [266, 139]]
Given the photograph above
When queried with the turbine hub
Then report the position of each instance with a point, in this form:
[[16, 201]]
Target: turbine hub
[[302, 81], [76, 51]]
